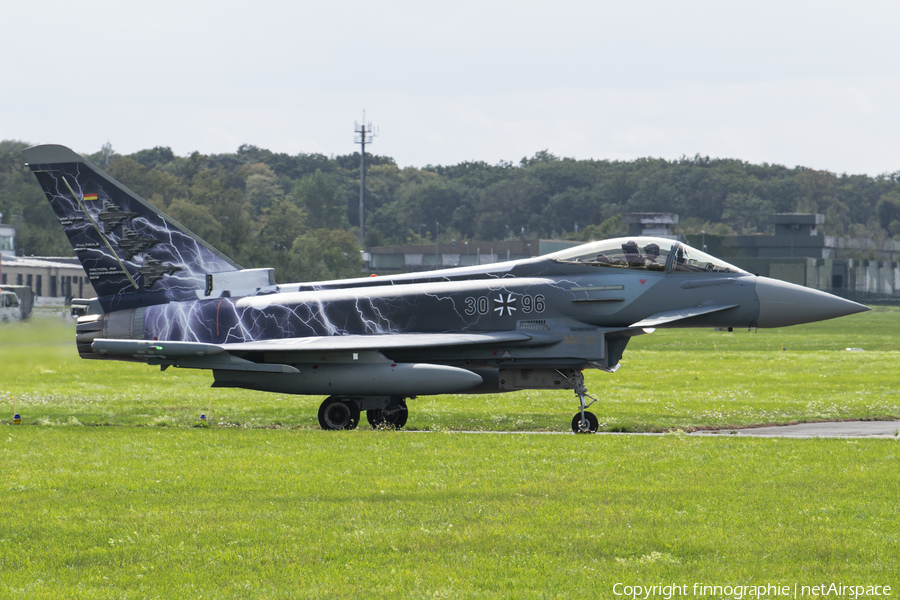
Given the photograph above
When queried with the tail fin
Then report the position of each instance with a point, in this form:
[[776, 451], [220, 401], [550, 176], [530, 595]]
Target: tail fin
[[133, 254]]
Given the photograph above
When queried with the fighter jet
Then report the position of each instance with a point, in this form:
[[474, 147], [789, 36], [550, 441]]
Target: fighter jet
[[112, 216], [153, 270], [372, 344], [133, 243]]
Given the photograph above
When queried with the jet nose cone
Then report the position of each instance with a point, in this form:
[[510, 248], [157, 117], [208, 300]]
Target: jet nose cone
[[782, 304]]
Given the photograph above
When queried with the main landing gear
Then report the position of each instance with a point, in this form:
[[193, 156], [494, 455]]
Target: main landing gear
[[340, 412], [583, 421], [394, 415]]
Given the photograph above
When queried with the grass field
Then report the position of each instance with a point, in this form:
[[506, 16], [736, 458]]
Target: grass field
[[264, 505], [143, 513]]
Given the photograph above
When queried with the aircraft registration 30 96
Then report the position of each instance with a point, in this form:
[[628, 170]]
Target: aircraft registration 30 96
[[167, 298]]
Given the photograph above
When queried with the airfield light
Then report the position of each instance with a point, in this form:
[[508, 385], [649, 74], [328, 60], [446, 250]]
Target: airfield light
[[17, 419]]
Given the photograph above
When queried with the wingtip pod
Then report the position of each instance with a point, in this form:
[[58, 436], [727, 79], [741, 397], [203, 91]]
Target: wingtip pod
[[782, 304]]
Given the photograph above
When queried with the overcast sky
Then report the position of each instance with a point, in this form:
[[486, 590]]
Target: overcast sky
[[795, 83]]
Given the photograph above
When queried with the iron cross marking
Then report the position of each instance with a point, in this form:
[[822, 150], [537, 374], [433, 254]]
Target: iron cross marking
[[508, 305]]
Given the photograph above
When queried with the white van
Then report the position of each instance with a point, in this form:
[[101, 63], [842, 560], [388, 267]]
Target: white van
[[9, 307]]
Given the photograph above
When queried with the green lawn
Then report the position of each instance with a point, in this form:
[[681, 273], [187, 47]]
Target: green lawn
[[112, 512], [265, 505]]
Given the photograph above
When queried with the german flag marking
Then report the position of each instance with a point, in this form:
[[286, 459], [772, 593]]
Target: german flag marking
[[92, 196]]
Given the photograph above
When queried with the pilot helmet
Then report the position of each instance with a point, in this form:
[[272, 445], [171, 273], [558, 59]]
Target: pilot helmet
[[652, 249]]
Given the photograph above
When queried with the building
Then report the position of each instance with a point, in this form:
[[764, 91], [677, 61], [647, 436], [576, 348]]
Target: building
[[7, 240], [654, 224], [393, 259], [53, 281], [862, 269]]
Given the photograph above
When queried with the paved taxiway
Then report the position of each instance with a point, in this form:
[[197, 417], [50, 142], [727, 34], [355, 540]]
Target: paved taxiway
[[844, 429]]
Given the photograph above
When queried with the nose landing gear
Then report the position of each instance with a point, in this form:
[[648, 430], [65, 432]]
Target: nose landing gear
[[583, 421]]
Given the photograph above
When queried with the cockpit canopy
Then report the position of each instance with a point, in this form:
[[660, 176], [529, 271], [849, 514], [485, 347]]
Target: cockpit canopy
[[643, 253]]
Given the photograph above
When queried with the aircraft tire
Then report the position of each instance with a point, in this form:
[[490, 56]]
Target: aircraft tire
[[335, 413], [395, 418], [589, 425]]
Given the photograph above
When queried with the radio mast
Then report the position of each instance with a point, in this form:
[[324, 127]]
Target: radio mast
[[364, 135]]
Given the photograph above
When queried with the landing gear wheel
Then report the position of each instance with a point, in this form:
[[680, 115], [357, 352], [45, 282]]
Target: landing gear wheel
[[338, 414], [395, 416], [589, 424]]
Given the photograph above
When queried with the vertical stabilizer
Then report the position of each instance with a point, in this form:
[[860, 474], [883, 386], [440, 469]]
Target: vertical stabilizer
[[133, 254]]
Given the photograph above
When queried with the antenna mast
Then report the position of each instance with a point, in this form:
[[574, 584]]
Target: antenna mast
[[364, 134], [107, 152]]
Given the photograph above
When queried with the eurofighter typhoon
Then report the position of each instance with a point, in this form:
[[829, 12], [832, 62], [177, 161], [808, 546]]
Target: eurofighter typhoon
[[167, 298]]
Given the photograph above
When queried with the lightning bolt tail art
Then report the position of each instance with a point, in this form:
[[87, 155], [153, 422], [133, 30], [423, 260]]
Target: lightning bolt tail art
[[168, 265]]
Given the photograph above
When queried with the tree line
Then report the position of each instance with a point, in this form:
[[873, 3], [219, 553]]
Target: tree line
[[299, 213]]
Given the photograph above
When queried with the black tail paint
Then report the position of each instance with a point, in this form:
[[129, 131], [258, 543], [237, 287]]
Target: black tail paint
[[133, 254]]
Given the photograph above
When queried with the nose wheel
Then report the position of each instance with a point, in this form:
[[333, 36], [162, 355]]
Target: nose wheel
[[583, 421]]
